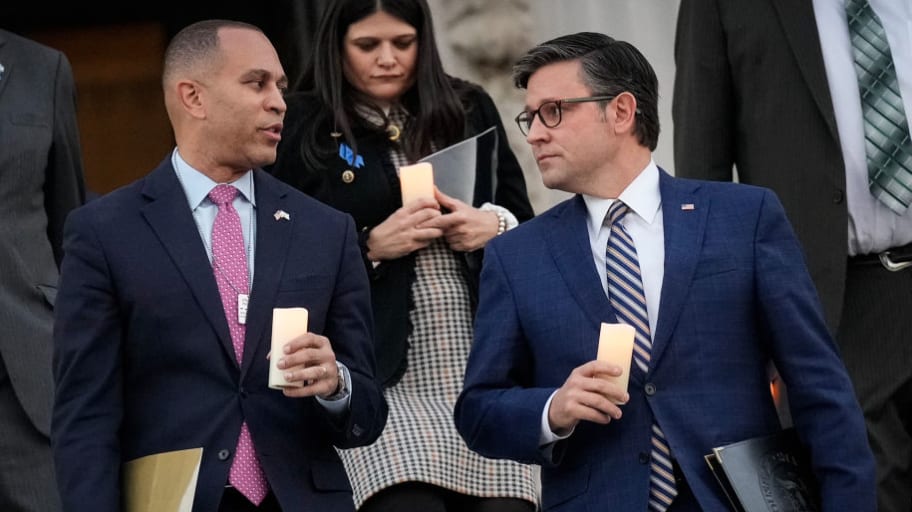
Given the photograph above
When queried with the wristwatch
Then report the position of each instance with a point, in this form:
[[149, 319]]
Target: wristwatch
[[342, 389]]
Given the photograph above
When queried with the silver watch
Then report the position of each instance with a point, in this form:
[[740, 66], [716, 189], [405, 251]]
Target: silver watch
[[342, 388]]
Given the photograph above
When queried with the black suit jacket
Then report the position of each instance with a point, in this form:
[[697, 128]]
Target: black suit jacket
[[41, 180], [751, 91]]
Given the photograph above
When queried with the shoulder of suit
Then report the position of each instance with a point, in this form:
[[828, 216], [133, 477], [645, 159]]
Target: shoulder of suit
[[720, 187], [544, 222], [32, 48], [300, 199], [733, 196]]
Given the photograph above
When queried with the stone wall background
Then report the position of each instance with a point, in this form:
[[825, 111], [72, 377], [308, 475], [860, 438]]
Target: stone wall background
[[480, 39]]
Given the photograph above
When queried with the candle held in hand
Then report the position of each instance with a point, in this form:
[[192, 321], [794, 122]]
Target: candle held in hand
[[416, 181], [616, 347], [287, 324]]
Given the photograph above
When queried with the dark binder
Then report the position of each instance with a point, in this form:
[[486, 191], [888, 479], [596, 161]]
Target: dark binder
[[766, 474]]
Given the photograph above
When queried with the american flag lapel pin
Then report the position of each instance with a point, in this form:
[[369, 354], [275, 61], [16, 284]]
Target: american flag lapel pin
[[281, 214], [687, 207]]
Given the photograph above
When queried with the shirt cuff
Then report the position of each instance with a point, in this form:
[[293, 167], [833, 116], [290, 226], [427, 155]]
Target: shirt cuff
[[547, 437], [512, 222]]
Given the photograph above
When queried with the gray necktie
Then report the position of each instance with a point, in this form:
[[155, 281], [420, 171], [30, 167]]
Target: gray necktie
[[887, 144]]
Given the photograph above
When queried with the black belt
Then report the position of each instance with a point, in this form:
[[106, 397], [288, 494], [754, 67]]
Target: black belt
[[894, 260]]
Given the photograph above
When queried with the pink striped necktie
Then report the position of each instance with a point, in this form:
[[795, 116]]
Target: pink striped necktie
[[229, 263]]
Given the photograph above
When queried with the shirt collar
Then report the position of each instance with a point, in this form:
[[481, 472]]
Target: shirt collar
[[642, 196], [197, 185]]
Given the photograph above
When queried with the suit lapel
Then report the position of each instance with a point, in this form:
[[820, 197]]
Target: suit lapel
[[684, 228], [271, 249], [568, 241], [800, 27], [170, 217]]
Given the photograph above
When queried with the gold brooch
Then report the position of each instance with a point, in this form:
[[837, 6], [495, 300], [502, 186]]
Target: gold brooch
[[393, 132]]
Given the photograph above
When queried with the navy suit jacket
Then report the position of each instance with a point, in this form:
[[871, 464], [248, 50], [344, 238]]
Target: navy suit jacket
[[736, 294], [144, 361]]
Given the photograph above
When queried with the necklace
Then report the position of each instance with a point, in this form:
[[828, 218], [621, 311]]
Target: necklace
[[243, 298]]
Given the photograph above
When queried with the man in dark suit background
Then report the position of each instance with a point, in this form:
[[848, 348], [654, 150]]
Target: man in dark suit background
[[711, 276], [161, 346], [41, 180], [770, 87]]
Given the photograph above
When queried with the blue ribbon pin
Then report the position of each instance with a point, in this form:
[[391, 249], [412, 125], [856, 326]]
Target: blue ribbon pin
[[346, 153]]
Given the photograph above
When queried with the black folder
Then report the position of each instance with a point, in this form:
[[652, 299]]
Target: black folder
[[766, 474]]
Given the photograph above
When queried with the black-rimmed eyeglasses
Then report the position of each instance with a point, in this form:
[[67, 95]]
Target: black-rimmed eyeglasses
[[549, 112]]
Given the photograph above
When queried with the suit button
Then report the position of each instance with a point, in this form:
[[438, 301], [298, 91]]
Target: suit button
[[223, 454], [650, 389], [243, 392], [838, 196], [644, 458]]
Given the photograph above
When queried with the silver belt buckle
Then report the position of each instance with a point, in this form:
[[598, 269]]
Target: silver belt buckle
[[891, 265]]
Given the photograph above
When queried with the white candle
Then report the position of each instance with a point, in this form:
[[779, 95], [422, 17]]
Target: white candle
[[616, 347], [287, 324], [416, 181]]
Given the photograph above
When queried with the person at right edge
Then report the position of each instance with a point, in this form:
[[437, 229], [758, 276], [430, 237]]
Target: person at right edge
[[812, 98], [376, 99]]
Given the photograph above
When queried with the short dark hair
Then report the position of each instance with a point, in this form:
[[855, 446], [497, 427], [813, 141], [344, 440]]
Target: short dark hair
[[439, 115], [609, 67], [196, 45]]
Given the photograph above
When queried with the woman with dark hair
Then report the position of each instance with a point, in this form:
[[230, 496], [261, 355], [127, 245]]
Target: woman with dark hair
[[374, 99]]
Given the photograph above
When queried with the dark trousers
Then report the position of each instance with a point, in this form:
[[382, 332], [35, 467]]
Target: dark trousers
[[233, 501], [414, 496], [875, 341], [27, 482]]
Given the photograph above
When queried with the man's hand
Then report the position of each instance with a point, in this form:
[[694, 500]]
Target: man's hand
[[310, 359], [586, 397]]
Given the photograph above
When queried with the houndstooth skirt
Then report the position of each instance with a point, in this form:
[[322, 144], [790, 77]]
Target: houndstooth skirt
[[420, 442]]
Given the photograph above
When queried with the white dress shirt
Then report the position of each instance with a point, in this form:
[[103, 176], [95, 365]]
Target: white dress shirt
[[872, 226], [644, 225]]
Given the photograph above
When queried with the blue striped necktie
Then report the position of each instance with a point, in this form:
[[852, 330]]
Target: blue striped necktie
[[625, 291], [887, 144]]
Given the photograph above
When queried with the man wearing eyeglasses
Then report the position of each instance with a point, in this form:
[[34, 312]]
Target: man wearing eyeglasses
[[709, 275]]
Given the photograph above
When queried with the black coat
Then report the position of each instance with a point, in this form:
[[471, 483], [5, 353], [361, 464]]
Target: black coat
[[374, 195]]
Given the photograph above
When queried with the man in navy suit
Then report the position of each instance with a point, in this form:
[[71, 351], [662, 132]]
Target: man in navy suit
[[726, 292], [145, 355]]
